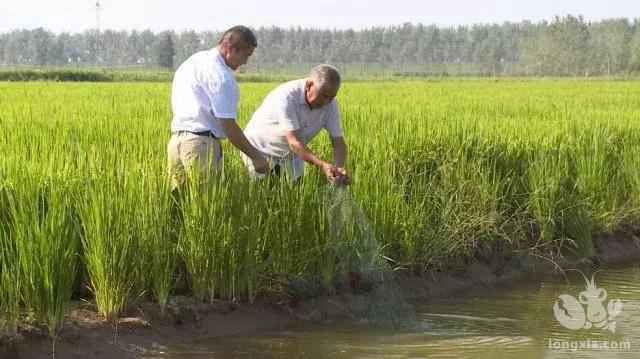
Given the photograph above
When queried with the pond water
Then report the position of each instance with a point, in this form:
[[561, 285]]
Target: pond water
[[506, 322]]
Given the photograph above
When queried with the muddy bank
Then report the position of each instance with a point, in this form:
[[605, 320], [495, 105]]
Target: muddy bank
[[144, 331], [481, 272]]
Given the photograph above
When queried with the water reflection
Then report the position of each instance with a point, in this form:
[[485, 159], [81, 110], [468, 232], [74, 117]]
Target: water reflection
[[516, 322]]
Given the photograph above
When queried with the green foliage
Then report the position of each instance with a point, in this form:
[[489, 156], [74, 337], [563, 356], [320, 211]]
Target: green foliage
[[84, 75], [158, 228], [46, 237], [443, 171], [111, 242], [164, 50], [10, 276], [565, 46], [555, 200]]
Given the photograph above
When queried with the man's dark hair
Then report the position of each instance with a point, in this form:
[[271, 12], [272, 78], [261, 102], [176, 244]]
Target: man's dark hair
[[237, 34]]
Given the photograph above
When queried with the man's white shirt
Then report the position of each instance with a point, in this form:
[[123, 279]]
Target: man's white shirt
[[204, 90], [286, 109]]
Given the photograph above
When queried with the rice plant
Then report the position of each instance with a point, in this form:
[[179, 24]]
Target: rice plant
[[442, 170], [111, 244], [10, 275], [158, 234], [46, 236]]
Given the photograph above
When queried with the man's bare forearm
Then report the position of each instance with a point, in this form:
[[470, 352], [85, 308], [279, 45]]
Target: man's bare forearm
[[301, 150], [238, 139], [340, 151]]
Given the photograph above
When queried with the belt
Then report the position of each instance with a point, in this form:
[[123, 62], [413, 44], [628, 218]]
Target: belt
[[203, 133]]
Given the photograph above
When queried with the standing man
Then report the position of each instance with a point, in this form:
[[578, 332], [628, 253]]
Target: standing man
[[204, 100], [290, 117]]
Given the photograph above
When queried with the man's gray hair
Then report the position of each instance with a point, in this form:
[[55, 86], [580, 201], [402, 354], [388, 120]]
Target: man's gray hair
[[325, 75]]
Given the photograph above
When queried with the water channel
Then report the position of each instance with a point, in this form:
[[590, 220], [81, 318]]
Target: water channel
[[517, 321]]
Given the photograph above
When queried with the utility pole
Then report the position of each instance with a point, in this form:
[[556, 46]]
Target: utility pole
[[98, 47]]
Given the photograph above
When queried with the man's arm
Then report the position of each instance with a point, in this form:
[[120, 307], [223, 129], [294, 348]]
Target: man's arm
[[340, 158], [238, 139], [339, 151], [334, 128], [299, 148]]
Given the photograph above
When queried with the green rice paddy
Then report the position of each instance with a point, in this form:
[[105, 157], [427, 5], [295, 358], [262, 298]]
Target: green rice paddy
[[443, 170]]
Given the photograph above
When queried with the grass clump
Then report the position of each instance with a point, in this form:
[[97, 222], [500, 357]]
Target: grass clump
[[112, 248]]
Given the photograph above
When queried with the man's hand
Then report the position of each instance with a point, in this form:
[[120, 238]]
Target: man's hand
[[237, 138], [329, 171], [335, 175], [341, 176]]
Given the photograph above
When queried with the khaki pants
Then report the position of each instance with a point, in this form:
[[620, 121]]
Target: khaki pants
[[188, 152], [292, 166]]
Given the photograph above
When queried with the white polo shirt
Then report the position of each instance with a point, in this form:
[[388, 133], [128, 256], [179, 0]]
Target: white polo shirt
[[204, 90], [286, 109]]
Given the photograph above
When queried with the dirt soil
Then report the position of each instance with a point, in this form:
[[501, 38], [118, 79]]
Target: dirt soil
[[143, 331]]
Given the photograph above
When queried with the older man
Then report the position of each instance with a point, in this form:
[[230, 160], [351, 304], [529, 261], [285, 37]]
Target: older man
[[204, 101], [290, 117]]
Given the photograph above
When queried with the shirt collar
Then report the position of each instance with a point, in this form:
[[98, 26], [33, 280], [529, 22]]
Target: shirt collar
[[220, 59], [301, 98]]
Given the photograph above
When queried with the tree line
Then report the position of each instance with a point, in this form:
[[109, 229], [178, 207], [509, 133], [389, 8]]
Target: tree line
[[564, 46]]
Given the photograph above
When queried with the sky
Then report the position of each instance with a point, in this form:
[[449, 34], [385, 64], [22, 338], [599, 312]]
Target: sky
[[200, 15]]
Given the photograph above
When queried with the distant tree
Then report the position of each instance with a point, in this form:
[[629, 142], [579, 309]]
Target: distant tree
[[634, 50], [39, 44], [533, 49], [489, 51], [135, 49], [146, 46], [92, 48], [407, 37], [568, 42], [187, 44], [114, 47], [164, 50], [209, 39], [434, 45], [16, 49], [77, 49], [385, 54], [3, 43], [313, 45], [368, 42], [610, 39], [58, 50], [565, 46]]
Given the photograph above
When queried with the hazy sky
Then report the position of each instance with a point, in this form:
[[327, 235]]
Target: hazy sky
[[78, 15]]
